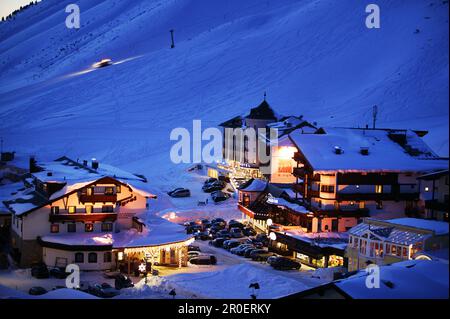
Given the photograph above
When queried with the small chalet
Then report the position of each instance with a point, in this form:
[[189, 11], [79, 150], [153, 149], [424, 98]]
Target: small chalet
[[93, 215]]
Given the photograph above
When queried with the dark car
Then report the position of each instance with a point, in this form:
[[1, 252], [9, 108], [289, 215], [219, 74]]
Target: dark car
[[103, 291], [193, 228], [40, 271], [223, 233], [219, 196], [180, 192], [218, 242], [122, 281], [215, 228], [283, 263], [262, 238], [193, 248], [37, 291], [59, 272], [203, 260], [231, 244], [260, 255], [248, 231], [236, 232], [235, 224], [219, 220], [249, 250], [202, 235], [210, 181], [216, 186]]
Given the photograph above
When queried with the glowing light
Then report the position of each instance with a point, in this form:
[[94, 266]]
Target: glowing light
[[273, 236], [172, 215], [120, 255], [269, 222], [142, 267], [286, 152]]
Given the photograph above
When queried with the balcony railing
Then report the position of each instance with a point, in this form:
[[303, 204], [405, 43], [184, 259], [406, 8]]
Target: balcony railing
[[98, 198], [83, 217], [377, 196]]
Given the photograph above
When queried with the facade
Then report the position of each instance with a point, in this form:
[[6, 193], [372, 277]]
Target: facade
[[247, 139], [434, 192], [383, 242], [89, 215], [346, 174]]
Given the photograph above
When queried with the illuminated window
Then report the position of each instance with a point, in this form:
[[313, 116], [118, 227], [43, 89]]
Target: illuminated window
[[54, 228], [89, 191], [79, 258], [118, 189], [362, 205], [92, 258], [72, 209], [327, 188], [89, 209], [378, 189], [89, 227], [55, 210], [109, 190]]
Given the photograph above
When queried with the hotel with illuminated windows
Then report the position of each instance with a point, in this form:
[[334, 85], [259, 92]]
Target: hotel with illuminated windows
[[93, 215]]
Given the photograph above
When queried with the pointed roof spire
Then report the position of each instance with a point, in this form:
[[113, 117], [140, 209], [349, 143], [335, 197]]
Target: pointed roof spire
[[265, 95]]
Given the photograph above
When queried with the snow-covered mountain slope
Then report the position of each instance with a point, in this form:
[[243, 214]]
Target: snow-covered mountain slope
[[313, 57]]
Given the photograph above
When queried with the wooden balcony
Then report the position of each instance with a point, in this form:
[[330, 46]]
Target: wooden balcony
[[98, 198], [377, 196], [299, 172], [77, 217]]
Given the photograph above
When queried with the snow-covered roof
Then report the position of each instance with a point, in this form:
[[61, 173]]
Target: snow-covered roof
[[284, 203], [385, 154], [438, 227], [80, 239], [389, 230], [412, 279], [337, 240]]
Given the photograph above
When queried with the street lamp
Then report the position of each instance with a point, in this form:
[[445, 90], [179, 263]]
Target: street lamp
[[269, 223]]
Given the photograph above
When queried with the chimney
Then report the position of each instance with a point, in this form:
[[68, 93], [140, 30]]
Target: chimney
[[338, 150], [94, 164], [49, 174], [85, 163], [364, 151], [33, 165]]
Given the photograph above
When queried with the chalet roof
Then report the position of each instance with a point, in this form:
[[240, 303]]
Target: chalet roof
[[235, 122], [260, 186], [263, 112], [388, 150]]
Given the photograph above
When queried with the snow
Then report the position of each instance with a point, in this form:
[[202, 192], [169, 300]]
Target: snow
[[417, 279], [66, 293], [323, 239], [440, 228], [257, 185], [384, 154], [87, 239]]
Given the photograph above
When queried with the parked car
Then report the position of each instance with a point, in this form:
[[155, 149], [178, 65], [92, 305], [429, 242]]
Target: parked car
[[210, 180], [219, 220], [283, 263], [228, 244], [218, 242], [236, 233], [216, 186], [234, 223], [239, 250], [194, 228], [260, 255], [123, 281], [219, 196], [40, 271], [223, 233], [201, 235], [204, 260], [58, 272], [193, 248], [191, 254], [103, 291], [249, 250], [255, 243], [262, 238], [180, 192], [248, 231], [37, 291]]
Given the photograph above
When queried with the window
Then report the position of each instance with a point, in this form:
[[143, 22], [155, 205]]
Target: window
[[327, 188], [79, 258], [72, 228], [89, 227], [118, 189], [55, 210], [107, 257], [378, 189], [54, 228], [379, 204], [92, 258], [89, 209], [89, 191], [107, 209], [107, 227], [72, 209], [109, 190], [362, 205]]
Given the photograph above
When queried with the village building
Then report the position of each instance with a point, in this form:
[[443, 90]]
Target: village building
[[410, 279], [345, 174], [384, 242], [241, 152], [434, 192], [93, 215]]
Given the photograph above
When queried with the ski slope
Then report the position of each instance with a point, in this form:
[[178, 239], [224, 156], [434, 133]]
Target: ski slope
[[313, 57]]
